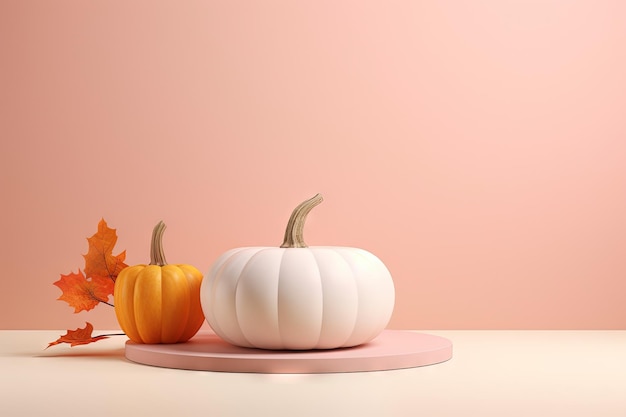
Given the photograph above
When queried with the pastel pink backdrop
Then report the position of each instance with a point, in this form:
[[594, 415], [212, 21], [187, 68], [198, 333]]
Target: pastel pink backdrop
[[478, 148]]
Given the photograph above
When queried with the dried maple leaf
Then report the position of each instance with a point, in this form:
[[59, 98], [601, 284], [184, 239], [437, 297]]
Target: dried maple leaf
[[78, 337], [82, 293], [99, 260]]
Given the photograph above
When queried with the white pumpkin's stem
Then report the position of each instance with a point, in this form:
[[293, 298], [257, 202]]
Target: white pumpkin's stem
[[157, 256], [295, 227]]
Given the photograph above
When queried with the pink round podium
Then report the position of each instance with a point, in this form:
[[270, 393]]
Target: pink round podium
[[392, 349]]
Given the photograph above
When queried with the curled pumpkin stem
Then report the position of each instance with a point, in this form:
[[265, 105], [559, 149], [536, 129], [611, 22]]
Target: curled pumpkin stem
[[295, 227], [157, 256]]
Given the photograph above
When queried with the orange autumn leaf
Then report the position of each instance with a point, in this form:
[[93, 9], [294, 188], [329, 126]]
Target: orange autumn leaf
[[99, 260], [82, 293], [78, 337]]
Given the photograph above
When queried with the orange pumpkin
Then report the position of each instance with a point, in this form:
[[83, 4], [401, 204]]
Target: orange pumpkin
[[159, 303]]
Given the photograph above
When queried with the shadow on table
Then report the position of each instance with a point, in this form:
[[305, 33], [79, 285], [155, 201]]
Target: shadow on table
[[117, 353]]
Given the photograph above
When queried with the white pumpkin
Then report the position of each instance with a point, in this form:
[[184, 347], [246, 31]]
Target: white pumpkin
[[297, 297]]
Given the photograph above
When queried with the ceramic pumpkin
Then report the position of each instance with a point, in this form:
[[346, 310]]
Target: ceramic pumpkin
[[297, 297], [159, 303]]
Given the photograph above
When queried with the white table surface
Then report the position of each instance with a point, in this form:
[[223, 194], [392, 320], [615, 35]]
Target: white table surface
[[492, 373]]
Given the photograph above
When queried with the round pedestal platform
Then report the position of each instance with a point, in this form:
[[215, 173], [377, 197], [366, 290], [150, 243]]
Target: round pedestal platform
[[392, 349]]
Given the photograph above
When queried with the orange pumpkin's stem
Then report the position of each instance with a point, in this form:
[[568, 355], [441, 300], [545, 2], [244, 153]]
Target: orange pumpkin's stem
[[157, 256], [295, 227]]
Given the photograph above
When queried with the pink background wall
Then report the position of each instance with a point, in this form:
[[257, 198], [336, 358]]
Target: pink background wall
[[478, 148]]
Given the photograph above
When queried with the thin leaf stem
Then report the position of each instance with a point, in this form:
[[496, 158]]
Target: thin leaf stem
[[101, 301]]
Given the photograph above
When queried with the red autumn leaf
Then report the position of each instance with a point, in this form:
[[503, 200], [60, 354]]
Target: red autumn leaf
[[78, 337], [99, 260], [82, 293]]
